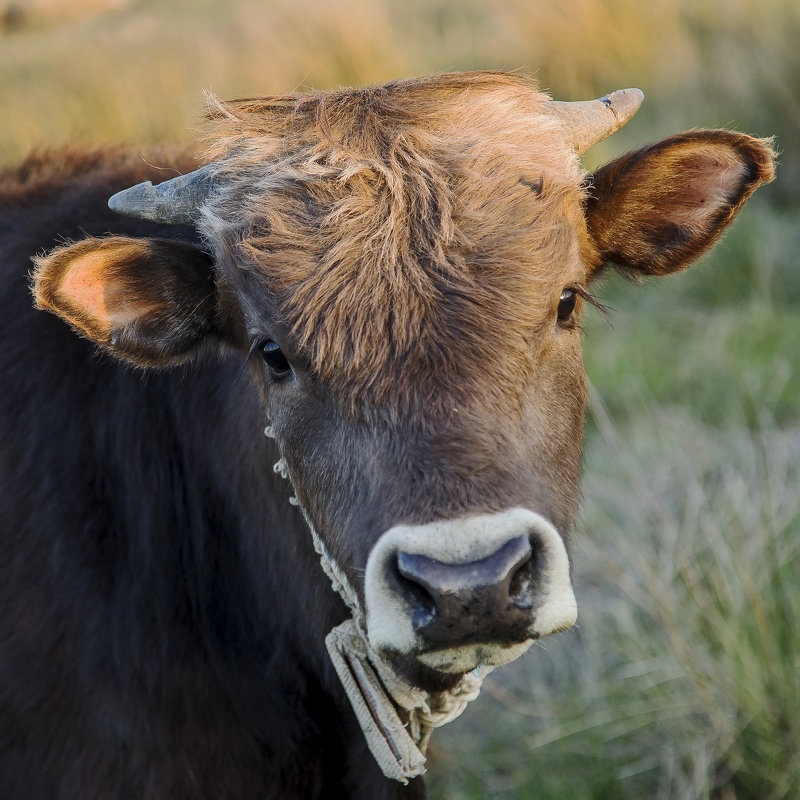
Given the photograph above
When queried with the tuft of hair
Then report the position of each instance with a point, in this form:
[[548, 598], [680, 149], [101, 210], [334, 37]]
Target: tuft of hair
[[411, 233]]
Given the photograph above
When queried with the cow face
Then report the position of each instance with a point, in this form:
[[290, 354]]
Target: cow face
[[405, 269]]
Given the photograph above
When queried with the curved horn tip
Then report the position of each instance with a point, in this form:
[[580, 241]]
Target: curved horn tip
[[588, 122], [135, 198], [173, 202], [623, 102]]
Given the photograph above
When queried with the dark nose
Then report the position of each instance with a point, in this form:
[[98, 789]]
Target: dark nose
[[488, 600]]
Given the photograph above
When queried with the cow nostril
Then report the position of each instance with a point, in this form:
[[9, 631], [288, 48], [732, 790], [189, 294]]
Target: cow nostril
[[416, 594], [522, 586], [462, 596], [520, 590]]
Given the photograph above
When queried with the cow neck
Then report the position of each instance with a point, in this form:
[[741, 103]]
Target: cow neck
[[375, 690]]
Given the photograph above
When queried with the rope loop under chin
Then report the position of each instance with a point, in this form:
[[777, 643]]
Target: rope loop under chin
[[375, 690]]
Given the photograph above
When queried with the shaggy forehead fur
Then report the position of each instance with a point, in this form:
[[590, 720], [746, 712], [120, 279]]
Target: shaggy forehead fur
[[412, 236]]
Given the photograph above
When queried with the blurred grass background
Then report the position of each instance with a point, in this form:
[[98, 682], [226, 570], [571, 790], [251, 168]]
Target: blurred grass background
[[682, 679]]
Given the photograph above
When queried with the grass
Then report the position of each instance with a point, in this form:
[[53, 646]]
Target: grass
[[719, 339], [135, 69], [683, 676], [681, 680]]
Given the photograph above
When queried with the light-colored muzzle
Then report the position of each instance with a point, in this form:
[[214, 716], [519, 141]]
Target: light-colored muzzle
[[466, 592]]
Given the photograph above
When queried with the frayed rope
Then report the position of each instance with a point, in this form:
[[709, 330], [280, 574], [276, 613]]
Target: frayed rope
[[374, 689]]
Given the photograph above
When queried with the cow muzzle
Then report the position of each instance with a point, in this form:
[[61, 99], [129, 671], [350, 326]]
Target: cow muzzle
[[461, 593]]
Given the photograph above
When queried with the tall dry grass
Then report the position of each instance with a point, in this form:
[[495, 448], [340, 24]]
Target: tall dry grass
[[135, 69]]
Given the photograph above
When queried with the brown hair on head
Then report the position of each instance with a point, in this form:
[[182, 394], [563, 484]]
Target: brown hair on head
[[414, 235]]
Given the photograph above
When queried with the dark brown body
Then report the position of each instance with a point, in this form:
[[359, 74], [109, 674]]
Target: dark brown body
[[152, 644]]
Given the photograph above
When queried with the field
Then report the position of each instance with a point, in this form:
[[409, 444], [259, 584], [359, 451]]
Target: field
[[682, 678]]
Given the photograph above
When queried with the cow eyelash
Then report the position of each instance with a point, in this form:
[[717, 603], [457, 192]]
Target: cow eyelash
[[566, 307], [582, 292], [589, 298]]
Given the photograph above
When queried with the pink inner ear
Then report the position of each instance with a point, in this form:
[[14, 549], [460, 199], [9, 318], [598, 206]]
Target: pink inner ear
[[710, 178], [88, 289], [83, 288]]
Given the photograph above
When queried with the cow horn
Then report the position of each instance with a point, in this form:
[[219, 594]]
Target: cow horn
[[591, 121], [175, 202]]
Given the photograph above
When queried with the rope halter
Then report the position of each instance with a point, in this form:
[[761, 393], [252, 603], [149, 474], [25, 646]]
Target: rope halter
[[375, 690]]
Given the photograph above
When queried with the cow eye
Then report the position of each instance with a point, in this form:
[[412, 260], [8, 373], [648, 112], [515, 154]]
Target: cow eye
[[566, 305], [275, 359]]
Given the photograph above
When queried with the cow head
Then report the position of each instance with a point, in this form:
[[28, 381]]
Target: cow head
[[405, 267]]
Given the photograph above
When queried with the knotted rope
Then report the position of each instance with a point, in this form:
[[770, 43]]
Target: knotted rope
[[373, 687]]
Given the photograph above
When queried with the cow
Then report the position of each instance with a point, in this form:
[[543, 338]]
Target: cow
[[389, 283]]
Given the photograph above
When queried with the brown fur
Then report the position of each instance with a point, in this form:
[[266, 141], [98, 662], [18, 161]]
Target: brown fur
[[383, 219]]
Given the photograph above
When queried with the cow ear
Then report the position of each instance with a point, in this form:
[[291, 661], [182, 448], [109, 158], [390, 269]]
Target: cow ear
[[149, 301], [654, 211]]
